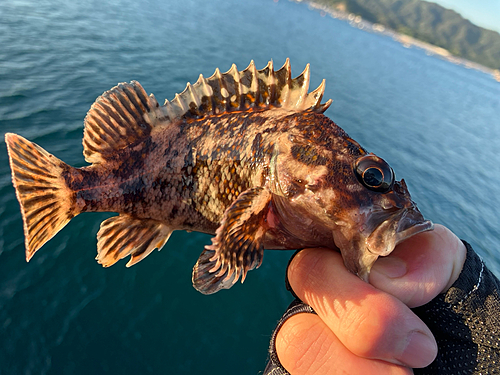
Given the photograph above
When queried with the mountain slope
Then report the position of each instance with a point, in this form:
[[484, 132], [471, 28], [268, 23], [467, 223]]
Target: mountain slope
[[431, 23]]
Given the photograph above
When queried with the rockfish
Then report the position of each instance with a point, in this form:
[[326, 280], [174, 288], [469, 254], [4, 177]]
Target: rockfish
[[247, 156]]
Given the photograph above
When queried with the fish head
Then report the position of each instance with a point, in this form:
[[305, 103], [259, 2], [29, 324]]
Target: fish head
[[382, 215], [349, 200]]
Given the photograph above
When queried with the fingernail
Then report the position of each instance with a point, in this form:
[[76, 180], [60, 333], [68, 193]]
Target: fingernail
[[391, 267], [420, 351]]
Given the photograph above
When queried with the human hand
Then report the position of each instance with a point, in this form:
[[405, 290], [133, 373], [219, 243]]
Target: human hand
[[368, 328]]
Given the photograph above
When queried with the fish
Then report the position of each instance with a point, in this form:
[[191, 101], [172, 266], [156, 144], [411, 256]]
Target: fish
[[246, 156]]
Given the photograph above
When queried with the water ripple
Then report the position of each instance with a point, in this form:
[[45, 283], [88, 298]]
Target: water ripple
[[436, 123]]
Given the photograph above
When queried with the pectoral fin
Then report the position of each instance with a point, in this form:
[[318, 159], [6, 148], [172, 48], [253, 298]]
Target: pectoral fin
[[123, 235], [238, 244]]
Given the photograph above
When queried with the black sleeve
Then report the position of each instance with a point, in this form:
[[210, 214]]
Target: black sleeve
[[465, 322]]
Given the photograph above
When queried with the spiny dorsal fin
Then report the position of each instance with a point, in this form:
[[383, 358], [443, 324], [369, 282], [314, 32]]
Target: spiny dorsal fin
[[250, 88], [126, 114], [121, 116]]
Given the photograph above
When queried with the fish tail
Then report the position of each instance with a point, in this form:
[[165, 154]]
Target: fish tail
[[45, 198]]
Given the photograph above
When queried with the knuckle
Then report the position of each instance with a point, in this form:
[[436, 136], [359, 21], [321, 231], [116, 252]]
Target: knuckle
[[366, 329]]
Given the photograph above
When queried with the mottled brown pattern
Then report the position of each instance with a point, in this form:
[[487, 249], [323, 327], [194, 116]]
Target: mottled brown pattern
[[247, 156]]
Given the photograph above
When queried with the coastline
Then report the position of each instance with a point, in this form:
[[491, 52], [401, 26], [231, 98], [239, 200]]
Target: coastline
[[406, 40]]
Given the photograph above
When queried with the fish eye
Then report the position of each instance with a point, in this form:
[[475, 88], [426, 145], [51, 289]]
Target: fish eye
[[374, 173]]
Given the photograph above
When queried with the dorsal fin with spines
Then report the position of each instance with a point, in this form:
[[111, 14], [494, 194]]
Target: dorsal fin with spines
[[126, 114], [250, 88]]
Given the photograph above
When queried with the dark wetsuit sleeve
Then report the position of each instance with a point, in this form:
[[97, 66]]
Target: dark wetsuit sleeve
[[465, 322]]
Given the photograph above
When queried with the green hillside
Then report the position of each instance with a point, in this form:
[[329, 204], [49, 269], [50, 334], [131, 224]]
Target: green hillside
[[430, 23]]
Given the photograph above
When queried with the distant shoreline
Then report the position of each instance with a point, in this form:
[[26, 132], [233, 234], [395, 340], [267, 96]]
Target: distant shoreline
[[406, 40]]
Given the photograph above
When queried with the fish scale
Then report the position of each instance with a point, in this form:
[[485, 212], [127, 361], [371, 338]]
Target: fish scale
[[247, 156]]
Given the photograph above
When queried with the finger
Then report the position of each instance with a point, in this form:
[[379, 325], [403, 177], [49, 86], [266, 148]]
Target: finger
[[421, 267], [305, 345], [369, 322]]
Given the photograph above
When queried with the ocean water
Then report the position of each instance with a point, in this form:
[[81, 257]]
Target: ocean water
[[436, 123]]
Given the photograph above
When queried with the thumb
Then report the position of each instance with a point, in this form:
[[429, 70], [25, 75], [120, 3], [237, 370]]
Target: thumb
[[421, 267]]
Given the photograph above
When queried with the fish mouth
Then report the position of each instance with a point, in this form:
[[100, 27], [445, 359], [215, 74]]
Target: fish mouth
[[396, 229], [408, 227]]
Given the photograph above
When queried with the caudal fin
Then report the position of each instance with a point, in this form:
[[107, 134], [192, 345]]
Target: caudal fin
[[41, 191]]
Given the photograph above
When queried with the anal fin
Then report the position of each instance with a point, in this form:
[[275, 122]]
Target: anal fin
[[238, 244], [123, 235]]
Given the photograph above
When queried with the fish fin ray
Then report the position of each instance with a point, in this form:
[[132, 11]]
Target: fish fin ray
[[283, 79], [119, 117], [238, 243], [298, 90], [249, 83], [267, 86], [206, 282], [42, 192], [243, 90], [123, 235]]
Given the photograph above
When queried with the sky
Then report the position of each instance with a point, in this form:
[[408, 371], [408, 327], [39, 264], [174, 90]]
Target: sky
[[484, 13]]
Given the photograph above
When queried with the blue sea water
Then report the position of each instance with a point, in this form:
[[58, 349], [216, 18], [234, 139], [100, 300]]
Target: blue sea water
[[436, 123]]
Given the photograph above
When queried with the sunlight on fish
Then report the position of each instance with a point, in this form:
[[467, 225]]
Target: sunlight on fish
[[247, 156]]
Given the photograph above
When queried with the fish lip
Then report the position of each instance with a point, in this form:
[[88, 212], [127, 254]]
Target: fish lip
[[411, 230], [395, 229]]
